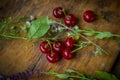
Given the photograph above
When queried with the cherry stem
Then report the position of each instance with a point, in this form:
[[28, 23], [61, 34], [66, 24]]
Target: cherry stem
[[77, 49], [52, 53], [63, 10]]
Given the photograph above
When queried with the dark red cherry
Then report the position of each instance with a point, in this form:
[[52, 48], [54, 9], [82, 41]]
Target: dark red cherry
[[67, 54], [69, 20], [58, 12], [52, 57], [58, 46], [69, 42], [89, 16], [44, 47]]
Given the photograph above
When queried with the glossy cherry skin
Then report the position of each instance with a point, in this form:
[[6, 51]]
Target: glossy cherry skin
[[58, 13], [67, 54], [69, 20], [58, 46], [69, 42], [89, 16], [44, 47], [52, 57]]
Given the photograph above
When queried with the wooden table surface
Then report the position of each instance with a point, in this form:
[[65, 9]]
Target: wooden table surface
[[19, 55]]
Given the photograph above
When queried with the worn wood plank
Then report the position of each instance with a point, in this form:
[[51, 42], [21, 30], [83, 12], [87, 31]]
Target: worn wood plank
[[15, 57]]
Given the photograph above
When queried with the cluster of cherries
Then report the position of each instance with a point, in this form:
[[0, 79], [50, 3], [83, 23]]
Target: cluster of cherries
[[69, 19], [57, 49]]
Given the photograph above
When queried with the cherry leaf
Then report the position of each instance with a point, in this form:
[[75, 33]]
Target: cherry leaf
[[39, 28]]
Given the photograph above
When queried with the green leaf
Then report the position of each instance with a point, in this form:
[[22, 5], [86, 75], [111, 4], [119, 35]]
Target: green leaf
[[62, 76], [118, 40], [105, 76], [89, 32], [21, 19], [39, 28], [103, 35], [73, 71], [9, 19], [51, 73], [70, 71]]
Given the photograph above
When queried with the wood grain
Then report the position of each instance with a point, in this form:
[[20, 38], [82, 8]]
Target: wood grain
[[19, 55]]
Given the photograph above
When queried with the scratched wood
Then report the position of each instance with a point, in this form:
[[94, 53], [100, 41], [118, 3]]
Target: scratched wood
[[19, 55]]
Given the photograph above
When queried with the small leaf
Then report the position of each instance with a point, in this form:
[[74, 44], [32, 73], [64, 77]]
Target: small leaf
[[105, 76], [62, 76], [103, 35], [39, 28], [118, 40], [73, 71], [89, 29], [89, 32], [51, 73], [9, 19], [70, 71], [21, 19]]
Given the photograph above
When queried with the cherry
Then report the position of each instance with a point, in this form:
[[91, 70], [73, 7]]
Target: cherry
[[44, 47], [52, 57], [67, 54], [89, 16], [58, 46], [69, 42], [69, 20], [58, 13]]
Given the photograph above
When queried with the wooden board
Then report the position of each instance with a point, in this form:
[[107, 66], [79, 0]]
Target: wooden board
[[19, 55]]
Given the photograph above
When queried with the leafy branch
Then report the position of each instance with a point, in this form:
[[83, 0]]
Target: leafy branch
[[9, 29], [80, 32], [99, 49], [98, 34], [72, 74], [40, 27]]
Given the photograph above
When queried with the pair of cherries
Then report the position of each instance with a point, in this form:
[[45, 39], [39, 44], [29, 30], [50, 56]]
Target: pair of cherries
[[69, 19], [57, 49]]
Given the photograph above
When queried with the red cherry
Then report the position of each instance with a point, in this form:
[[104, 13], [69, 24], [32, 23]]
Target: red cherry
[[58, 13], [69, 20], [69, 42], [89, 16], [67, 54], [52, 58], [58, 46], [44, 47]]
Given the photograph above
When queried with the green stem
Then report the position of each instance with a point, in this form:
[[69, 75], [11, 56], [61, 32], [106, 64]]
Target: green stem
[[116, 35], [94, 44], [13, 37], [89, 40], [64, 11], [84, 36], [60, 24], [77, 49], [48, 39], [83, 78]]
